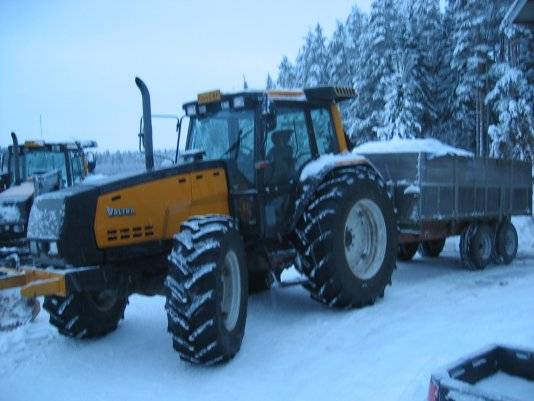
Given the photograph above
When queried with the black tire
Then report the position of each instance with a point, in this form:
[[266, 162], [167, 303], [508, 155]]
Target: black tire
[[86, 314], [195, 289], [432, 248], [259, 281], [474, 243], [323, 238], [506, 242], [407, 251]]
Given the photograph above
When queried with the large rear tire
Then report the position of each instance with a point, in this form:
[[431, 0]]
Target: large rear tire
[[432, 248], [86, 314], [207, 290], [348, 238]]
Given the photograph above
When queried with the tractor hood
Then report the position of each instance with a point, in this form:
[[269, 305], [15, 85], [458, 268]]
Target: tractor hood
[[61, 226], [15, 203]]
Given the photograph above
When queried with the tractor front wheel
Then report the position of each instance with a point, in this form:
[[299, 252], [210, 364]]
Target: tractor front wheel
[[86, 314], [207, 290]]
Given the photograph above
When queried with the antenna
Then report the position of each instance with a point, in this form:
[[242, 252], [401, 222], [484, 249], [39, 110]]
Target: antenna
[[245, 84]]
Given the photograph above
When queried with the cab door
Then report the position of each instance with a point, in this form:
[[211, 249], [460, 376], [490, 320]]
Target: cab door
[[286, 150]]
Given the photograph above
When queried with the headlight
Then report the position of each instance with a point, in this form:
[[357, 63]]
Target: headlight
[[52, 250]]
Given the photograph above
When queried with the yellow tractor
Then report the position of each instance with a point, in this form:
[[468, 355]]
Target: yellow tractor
[[265, 183]]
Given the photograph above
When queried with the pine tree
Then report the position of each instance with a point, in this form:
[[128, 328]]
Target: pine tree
[[286, 74], [403, 109], [377, 47], [269, 83], [312, 60]]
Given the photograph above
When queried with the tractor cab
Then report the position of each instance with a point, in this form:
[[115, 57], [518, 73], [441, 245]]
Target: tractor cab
[[266, 139]]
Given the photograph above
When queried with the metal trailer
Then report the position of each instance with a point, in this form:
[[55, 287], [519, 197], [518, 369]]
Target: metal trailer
[[460, 380], [440, 196]]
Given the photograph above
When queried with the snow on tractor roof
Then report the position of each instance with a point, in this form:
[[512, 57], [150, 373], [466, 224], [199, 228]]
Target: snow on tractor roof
[[427, 145]]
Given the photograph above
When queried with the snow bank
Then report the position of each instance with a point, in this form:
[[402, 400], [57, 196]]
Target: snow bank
[[14, 309], [397, 145], [329, 160]]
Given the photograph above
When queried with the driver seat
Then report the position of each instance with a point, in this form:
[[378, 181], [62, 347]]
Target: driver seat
[[280, 157]]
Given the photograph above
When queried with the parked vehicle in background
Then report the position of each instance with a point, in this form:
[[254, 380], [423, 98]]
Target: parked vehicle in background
[[30, 169]]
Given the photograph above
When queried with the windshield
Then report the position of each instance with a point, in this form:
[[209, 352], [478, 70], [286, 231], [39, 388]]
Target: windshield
[[43, 161], [227, 135]]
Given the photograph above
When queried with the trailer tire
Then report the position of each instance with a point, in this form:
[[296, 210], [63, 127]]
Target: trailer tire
[[432, 248], [206, 290], [506, 242], [476, 246], [86, 314], [344, 267], [407, 251]]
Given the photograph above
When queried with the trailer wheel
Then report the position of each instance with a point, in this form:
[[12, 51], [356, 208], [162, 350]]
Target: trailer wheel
[[506, 242], [407, 251], [432, 248], [349, 237], [86, 314], [207, 290], [476, 245]]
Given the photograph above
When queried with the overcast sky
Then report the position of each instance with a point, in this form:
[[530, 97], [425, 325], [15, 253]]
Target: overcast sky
[[75, 63]]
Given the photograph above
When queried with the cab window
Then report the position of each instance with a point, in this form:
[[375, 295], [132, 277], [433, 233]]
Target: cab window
[[324, 130], [287, 147], [77, 167]]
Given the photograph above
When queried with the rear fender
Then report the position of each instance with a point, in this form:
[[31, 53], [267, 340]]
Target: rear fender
[[313, 175]]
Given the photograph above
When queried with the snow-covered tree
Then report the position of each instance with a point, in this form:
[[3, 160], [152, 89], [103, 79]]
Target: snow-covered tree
[[403, 109], [377, 47], [311, 66], [269, 83], [287, 77], [512, 135]]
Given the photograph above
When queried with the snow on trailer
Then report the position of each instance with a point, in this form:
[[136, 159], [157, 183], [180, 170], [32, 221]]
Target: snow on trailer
[[496, 373], [440, 191]]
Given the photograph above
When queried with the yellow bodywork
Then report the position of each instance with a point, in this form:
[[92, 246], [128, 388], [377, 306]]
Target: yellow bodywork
[[34, 282], [338, 125], [155, 209]]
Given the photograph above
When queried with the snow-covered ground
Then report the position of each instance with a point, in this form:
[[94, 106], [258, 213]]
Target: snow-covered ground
[[294, 348]]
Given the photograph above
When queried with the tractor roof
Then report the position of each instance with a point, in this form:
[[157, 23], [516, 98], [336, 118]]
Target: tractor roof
[[40, 144], [216, 100]]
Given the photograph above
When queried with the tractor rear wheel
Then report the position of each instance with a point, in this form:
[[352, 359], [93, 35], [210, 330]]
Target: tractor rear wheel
[[348, 235], [86, 314], [432, 248], [407, 251], [207, 290]]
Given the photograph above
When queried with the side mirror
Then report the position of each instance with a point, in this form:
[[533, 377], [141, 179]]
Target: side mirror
[[91, 162]]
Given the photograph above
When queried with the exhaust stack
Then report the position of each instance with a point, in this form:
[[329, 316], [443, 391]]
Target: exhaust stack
[[16, 157], [147, 124]]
